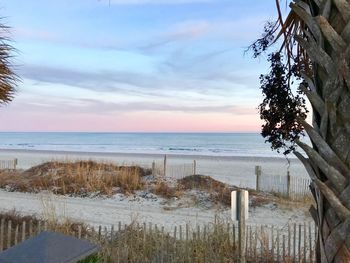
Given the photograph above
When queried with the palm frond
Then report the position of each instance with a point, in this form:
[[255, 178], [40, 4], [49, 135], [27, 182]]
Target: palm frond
[[8, 78]]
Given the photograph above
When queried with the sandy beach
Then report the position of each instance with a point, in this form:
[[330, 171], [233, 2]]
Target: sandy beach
[[237, 171], [233, 170], [109, 211]]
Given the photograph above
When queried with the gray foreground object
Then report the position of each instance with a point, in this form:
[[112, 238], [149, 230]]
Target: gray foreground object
[[49, 247]]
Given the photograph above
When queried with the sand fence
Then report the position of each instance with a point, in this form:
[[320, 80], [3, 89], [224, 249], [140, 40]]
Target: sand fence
[[291, 243], [284, 185], [8, 164], [288, 186]]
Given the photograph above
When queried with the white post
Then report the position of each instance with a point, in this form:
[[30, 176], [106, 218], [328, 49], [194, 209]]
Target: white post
[[239, 205]]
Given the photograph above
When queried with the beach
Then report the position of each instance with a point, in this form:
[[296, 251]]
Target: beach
[[193, 208], [234, 170]]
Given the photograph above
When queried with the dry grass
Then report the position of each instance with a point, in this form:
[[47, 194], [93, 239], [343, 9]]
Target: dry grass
[[140, 243], [220, 192], [164, 190], [75, 178]]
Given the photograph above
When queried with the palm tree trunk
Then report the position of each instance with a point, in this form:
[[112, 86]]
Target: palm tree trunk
[[326, 39]]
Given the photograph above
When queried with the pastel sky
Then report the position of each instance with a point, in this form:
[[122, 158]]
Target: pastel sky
[[135, 65]]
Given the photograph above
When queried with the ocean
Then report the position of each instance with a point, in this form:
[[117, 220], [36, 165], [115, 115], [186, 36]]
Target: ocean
[[209, 144]]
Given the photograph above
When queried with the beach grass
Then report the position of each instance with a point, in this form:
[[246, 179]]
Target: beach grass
[[78, 178], [90, 178], [219, 192]]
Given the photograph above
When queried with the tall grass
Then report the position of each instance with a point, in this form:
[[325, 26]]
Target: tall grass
[[140, 244]]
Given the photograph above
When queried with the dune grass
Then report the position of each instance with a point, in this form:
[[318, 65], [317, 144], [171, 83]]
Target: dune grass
[[75, 178], [89, 178], [219, 192]]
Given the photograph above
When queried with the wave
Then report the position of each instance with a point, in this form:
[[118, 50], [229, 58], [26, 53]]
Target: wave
[[183, 144]]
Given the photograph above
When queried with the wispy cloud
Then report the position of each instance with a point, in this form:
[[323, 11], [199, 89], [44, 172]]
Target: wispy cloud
[[172, 83], [187, 30], [95, 106]]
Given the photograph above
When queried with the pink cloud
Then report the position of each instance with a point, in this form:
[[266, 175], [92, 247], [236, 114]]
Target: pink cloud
[[135, 121]]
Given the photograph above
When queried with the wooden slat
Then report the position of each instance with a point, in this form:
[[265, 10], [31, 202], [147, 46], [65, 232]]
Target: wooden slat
[[272, 242], [30, 228], [16, 235], [9, 233], [2, 228], [99, 232], [23, 231], [284, 248], [79, 231], [305, 242], [289, 241], [278, 245], [310, 243], [299, 244]]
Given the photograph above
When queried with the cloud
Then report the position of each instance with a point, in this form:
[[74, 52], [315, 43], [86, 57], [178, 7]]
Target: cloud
[[184, 31], [97, 81], [163, 84], [94, 106]]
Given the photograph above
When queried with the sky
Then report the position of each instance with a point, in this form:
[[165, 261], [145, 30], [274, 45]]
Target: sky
[[135, 65]]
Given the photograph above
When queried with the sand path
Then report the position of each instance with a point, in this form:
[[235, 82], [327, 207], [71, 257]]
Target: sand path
[[98, 211]]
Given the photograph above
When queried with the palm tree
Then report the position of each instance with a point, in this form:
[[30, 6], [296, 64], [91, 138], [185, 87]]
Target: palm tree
[[8, 78], [316, 41]]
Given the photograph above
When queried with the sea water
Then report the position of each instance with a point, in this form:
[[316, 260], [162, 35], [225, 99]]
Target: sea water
[[212, 144]]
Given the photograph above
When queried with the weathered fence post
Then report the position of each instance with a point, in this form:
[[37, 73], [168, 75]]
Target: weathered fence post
[[164, 165], [242, 229], [288, 185], [194, 167], [258, 175], [239, 205], [15, 162], [153, 168], [2, 234]]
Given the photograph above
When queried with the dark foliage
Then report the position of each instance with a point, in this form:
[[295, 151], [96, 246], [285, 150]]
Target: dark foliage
[[280, 109], [266, 40]]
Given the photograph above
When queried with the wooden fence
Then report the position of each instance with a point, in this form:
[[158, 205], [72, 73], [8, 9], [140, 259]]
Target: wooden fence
[[291, 187], [175, 171], [179, 171], [8, 164], [292, 243]]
